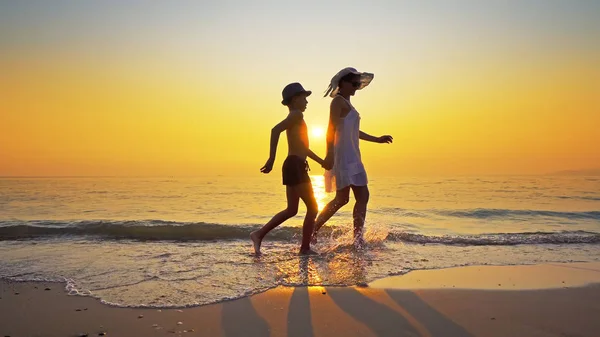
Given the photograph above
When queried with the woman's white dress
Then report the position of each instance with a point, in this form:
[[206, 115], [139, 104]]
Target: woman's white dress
[[348, 168]]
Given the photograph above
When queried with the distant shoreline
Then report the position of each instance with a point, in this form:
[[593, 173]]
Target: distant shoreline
[[589, 172]]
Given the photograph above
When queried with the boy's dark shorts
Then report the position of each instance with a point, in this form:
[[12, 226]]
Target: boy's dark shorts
[[295, 171]]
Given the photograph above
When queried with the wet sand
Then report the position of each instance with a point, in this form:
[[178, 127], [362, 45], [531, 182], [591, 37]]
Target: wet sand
[[542, 300]]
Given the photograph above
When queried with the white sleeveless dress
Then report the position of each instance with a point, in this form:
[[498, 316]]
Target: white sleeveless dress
[[348, 168]]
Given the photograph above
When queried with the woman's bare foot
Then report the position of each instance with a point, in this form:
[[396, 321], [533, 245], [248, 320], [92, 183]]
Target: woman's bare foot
[[308, 252], [256, 240], [360, 243]]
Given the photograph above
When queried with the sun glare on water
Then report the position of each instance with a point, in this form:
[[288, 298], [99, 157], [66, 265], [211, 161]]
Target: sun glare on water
[[318, 182]]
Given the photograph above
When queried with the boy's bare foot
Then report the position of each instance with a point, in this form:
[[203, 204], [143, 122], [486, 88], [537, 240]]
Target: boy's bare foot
[[308, 252], [256, 240]]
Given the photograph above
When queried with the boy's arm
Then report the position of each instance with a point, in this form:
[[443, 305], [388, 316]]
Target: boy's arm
[[275, 132], [369, 138], [314, 157]]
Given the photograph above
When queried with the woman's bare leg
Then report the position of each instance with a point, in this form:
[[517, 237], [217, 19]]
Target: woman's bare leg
[[292, 209], [361, 194], [341, 198]]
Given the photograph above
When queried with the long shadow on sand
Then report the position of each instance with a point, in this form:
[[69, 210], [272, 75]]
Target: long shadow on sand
[[239, 318], [435, 322], [376, 316], [299, 315]]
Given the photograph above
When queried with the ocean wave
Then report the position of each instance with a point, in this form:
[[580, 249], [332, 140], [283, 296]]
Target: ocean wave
[[160, 230], [133, 229], [484, 213], [501, 239], [578, 197]]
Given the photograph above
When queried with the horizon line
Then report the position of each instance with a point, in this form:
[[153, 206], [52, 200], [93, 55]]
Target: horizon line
[[562, 172]]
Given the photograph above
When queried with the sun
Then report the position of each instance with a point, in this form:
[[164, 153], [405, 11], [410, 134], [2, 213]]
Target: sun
[[317, 131]]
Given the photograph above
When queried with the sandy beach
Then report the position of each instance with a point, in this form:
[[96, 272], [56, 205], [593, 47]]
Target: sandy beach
[[539, 300]]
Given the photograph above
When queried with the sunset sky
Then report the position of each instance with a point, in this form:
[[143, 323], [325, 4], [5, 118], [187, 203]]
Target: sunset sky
[[194, 87]]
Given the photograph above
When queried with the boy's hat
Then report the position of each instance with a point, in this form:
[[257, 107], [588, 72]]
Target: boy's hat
[[365, 79], [292, 90]]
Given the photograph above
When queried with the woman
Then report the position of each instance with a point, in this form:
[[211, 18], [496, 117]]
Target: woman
[[345, 169]]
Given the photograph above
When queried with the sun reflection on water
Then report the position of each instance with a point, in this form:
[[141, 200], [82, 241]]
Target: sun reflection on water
[[318, 183]]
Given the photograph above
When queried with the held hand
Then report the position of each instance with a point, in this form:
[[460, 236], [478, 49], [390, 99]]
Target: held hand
[[328, 163], [268, 166], [385, 139]]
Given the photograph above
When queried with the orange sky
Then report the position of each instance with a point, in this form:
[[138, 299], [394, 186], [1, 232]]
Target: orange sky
[[192, 89]]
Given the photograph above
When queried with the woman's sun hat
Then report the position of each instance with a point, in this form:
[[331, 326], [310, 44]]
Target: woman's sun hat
[[365, 79]]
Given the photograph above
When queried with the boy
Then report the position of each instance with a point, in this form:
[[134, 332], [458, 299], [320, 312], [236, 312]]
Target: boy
[[295, 167]]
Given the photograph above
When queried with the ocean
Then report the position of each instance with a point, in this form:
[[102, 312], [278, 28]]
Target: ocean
[[178, 242]]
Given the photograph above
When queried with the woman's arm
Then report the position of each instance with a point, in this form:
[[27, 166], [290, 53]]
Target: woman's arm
[[335, 111], [369, 138]]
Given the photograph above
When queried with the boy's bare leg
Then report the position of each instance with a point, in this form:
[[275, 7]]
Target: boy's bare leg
[[291, 210], [361, 194], [305, 191], [341, 198]]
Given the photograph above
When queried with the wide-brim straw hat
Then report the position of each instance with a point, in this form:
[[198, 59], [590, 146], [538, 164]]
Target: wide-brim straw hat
[[333, 89]]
